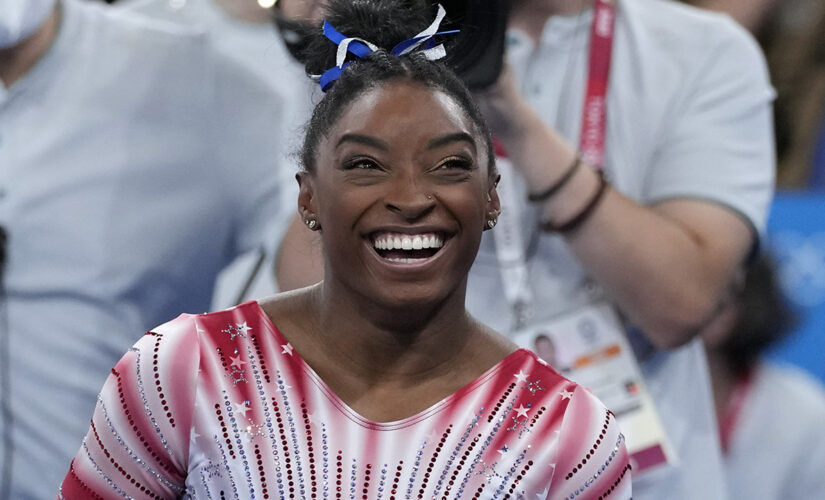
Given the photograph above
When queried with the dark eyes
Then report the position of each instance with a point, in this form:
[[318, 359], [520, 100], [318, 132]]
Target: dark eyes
[[361, 164], [453, 164], [456, 164]]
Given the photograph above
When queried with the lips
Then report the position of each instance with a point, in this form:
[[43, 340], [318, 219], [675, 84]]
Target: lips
[[407, 248]]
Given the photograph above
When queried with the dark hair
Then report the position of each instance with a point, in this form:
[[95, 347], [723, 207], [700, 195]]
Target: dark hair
[[385, 23], [764, 317]]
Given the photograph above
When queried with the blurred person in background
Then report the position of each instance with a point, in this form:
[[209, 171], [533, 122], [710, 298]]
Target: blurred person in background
[[684, 137], [136, 163], [792, 34], [267, 41], [770, 416]]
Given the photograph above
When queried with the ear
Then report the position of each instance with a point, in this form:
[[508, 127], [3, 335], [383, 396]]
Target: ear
[[493, 201], [307, 209], [493, 206]]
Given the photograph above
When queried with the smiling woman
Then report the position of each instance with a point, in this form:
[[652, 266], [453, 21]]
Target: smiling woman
[[403, 164], [375, 382]]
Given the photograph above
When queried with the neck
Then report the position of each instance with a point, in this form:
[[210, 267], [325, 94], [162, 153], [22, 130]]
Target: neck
[[249, 11], [405, 344], [530, 16], [17, 60]]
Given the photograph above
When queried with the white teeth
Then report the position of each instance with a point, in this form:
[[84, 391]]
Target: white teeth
[[397, 241], [402, 260]]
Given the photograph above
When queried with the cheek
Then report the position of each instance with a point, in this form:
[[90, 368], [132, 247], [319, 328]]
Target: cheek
[[467, 208], [339, 212]]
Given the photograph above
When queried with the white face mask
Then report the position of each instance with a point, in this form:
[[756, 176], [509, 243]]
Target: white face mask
[[21, 18]]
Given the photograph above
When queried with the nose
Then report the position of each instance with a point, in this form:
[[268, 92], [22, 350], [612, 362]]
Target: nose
[[409, 199]]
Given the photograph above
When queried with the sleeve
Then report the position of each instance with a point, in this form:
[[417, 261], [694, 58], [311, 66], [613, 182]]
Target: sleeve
[[592, 461], [137, 445], [807, 480], [718, 142], [806, 398]]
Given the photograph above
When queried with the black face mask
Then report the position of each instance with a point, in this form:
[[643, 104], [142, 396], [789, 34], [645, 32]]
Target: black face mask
[[294, 35]]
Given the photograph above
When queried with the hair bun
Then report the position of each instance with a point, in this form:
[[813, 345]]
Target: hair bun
[[384, 23]]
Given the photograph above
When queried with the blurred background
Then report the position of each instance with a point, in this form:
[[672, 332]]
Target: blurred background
[[792, 35]]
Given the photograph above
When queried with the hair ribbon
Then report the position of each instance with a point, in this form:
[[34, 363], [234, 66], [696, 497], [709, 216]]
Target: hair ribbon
[[362, 48]]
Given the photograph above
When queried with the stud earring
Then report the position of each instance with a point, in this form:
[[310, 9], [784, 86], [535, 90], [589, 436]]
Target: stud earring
[[311, 223], [491, 223]]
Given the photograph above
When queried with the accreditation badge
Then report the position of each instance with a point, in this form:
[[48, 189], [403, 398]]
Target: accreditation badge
[[589, 347]]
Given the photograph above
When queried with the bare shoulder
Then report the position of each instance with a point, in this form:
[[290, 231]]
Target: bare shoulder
[[491, 347], [290, 310]]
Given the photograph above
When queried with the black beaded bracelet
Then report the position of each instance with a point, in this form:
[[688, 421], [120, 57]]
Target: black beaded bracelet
[[578, 219], [547, 193]]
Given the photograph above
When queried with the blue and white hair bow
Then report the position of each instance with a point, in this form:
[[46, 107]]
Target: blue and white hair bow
[[362, 48]]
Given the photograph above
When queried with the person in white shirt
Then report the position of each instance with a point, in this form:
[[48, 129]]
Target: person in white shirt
[[136, 163], [770, 415]]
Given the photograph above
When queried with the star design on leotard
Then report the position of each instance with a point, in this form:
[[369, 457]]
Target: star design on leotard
[[236, 330], [236, 361], [236, 374], [534, 387], [242, 407], [520, 425], [212, 470], [286, 348], [565, 394], [521, 411], [255, 430], [521, 376], [504, 449], [488, 471]]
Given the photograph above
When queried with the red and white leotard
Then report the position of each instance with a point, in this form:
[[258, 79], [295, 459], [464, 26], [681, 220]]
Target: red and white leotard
[[219, 406]]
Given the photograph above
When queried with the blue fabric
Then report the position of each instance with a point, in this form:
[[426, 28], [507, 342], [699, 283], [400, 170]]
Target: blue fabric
[[796, 235]]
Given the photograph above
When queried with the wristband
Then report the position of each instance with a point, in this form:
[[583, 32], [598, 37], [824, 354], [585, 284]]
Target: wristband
[[547, 193], [585, 213]]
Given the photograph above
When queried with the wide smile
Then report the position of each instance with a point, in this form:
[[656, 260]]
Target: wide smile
[[406, 248]]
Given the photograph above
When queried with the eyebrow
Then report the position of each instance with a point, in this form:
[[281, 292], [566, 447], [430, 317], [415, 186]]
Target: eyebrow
[[365, 140], [450, 138], [374, 142]]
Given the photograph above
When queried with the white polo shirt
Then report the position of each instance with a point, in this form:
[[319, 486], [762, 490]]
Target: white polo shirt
[[135, 163], [688, 115]]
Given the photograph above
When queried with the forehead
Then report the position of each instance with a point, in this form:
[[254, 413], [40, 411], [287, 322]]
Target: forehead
[[402, 110]]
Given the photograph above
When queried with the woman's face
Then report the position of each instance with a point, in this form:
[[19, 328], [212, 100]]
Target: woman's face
[[402, 194]]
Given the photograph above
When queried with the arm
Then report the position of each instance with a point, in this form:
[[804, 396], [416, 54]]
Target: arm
[[666, 264], [138, 439], [750, 13]]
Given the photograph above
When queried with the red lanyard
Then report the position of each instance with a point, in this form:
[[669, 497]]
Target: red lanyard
[[594, 114]]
